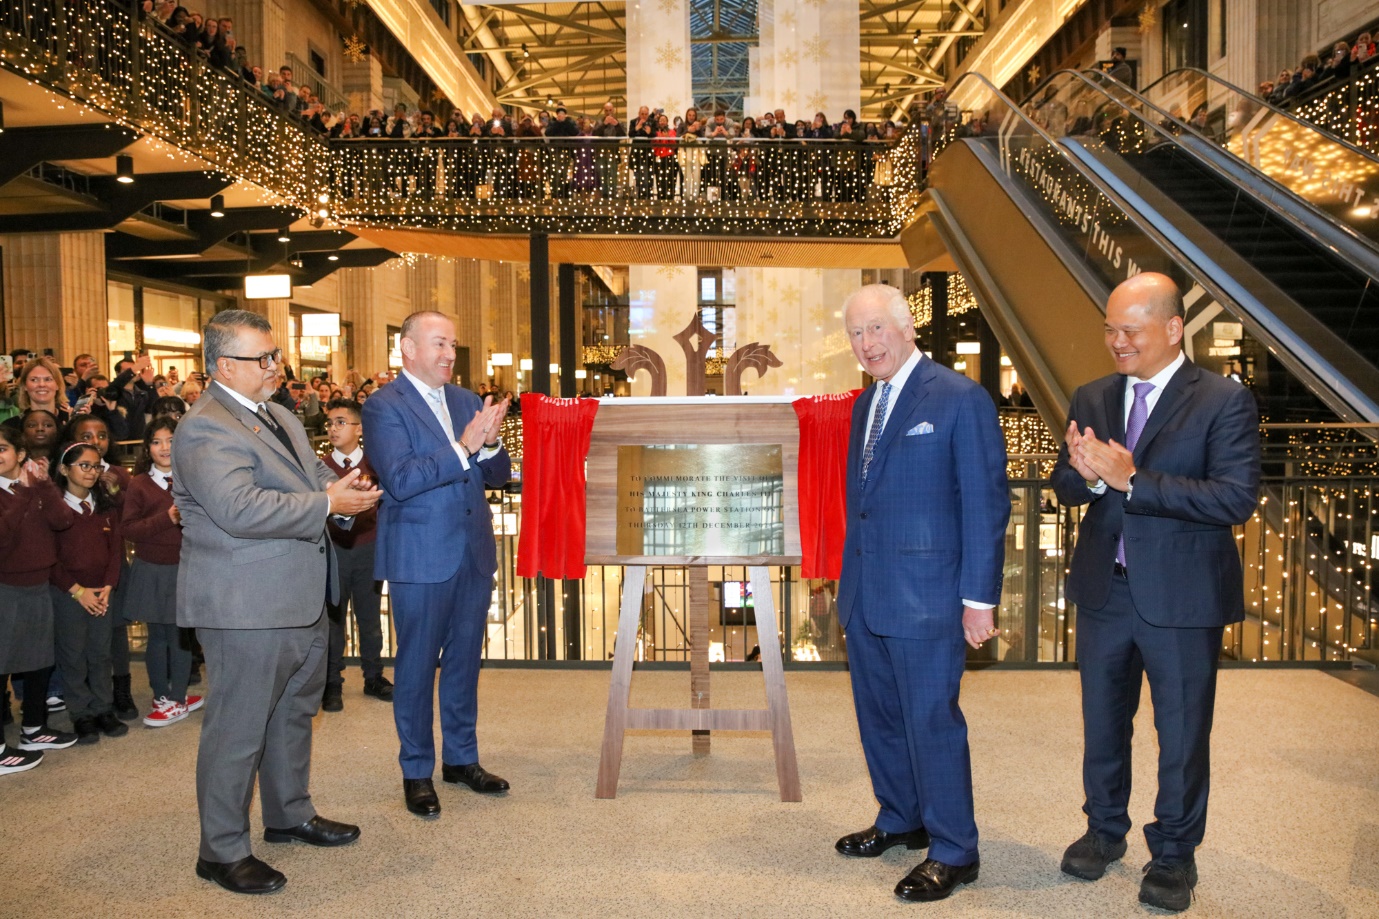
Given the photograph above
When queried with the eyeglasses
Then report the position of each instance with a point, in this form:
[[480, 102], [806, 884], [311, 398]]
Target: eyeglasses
[[271, 359], [85, 467], [342, 424]]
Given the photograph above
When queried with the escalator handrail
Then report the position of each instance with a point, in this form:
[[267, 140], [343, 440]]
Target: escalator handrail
[[1137, 211], [1330, 233], [1263, 103]]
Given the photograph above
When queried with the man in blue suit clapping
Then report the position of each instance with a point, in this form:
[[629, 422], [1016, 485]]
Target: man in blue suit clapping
[[927, 506], [435, 448]]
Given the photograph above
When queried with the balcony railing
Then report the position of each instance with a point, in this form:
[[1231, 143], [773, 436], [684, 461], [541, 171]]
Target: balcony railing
[[588, 184], [102, 54], [1347, 111]]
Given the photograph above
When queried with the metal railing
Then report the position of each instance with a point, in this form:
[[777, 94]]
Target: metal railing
[[592, 184], [1348, 111], [1307, 555]]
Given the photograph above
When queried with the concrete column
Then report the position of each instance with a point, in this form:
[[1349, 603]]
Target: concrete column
[[362, 82], [54, 286]]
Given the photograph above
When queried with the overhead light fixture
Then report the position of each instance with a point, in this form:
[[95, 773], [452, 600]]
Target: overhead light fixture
[[969, 347], [918, 33], [124, 169], [550, 100], [501, 359], [267, 286], [323, 198], [332, 257], [525, 52], [217, 205], [555, 368], [320, 325], [524, 364], [284, 235]]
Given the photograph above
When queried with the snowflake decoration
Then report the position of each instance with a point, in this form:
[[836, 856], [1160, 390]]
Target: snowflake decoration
[[817, 102], [1033, 73], [1148, 18], [818, 315], [492, 282], [355, 50], [789, 57], [788, 19], [817, 4], [524, 274], [789, 97], [816, 48], [670, 272], [790, 293], [668, 56], [667, 6]]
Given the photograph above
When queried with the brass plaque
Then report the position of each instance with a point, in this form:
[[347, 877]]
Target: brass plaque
[[701, 499]]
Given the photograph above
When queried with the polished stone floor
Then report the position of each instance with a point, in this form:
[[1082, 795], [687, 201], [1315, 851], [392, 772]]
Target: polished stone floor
[[110, 830]]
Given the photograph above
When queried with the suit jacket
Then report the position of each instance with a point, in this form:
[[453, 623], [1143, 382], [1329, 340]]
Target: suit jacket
[[255, 554], [434, 516], [927, 529], [1196, 476]]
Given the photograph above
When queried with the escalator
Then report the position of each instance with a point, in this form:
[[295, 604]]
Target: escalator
[[1047, 206]]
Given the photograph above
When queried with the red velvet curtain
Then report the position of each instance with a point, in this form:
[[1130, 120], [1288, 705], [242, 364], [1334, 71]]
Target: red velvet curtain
[[555, 443], [825, 425]]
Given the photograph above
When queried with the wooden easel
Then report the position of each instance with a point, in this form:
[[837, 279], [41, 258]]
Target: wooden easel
[[671, 421]]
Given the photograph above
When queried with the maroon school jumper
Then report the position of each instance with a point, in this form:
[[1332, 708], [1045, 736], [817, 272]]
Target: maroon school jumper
[[28, 519], [146, 523], [90, 551]]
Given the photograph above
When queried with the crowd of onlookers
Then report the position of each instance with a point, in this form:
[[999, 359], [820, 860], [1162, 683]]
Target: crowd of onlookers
[[1343, 61]]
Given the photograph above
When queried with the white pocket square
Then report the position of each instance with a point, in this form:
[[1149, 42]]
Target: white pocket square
[[923, 427]]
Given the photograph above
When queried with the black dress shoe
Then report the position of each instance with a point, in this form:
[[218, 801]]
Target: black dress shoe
[[379, 688], [332, 700], [318, 831], [933, 880], [88, 731], [476, 777], [1168, 885], [248, 875], [421, 797], [111, 726], [871, 842], [1088, 857]]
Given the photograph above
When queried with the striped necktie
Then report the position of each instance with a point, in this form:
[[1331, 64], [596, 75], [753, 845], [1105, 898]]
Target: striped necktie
[[878, 422]]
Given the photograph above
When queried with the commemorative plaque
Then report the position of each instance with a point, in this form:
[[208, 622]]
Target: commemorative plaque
[[701, 500]]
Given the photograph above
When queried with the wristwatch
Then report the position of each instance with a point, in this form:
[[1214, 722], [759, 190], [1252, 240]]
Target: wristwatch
[[1093, 486], [1130, 486]]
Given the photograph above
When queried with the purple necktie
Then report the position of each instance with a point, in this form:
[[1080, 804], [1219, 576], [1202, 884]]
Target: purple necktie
[[1134, 427]]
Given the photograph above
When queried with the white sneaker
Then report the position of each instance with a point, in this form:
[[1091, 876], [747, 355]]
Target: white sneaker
[[165, 712]]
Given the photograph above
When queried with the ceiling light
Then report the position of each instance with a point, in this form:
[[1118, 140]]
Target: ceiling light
[[124, 169], [525, 52], [332, 257], [322, 213], [217, 205], [323, 198], [284, 235]]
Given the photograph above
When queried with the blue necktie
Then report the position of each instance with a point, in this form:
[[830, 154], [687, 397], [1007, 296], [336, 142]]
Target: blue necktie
[[1134, 427], [878, 422]]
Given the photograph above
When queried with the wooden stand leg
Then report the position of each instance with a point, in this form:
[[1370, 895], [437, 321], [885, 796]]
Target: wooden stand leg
[[772, 669], [699, 650], [620, 686]]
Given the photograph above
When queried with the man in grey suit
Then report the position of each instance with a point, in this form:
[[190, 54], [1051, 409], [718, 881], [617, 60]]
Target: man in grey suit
[[254, 577]]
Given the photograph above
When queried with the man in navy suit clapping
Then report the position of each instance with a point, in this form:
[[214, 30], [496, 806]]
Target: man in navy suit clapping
[[927, 506], [436, 448]]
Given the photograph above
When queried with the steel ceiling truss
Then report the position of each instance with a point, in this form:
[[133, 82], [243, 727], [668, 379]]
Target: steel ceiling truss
[[576, 53]]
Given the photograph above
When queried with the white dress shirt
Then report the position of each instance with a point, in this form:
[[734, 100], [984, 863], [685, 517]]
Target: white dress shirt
[[8, 484], [76, 503], [1160, 380], [354, 457], [160, 478], [446, 422]]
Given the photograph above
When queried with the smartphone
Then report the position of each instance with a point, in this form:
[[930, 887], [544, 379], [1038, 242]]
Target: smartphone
[[129, 356], [84, 401], [6, 368]]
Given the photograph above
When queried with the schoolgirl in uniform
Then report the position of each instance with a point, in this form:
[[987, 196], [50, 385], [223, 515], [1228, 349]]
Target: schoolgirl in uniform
[[31, 512], [151, 522], [89, 554]]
